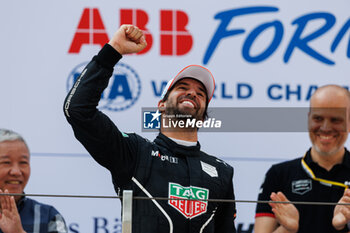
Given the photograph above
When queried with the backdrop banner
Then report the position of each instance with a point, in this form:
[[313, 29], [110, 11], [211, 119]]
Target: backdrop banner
[[266, 56]]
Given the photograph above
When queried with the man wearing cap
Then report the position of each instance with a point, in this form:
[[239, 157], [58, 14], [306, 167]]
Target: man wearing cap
[[172, 166]]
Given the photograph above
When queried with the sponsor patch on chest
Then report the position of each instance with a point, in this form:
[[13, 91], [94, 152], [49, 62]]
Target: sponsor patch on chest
[[180, 199], [168, 158], [209, 169], [301, 186]]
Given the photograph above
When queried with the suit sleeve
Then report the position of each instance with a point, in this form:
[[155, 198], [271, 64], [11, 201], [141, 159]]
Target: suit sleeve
[[98, 134], [226, 212], [56, 223]]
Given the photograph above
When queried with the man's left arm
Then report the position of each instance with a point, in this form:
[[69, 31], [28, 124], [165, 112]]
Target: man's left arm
[[341, 215], [226, 212]]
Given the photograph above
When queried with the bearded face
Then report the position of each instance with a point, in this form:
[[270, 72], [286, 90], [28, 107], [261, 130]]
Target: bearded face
[[186, 100]]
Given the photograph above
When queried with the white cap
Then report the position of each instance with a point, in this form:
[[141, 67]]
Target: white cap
[[197, 72]]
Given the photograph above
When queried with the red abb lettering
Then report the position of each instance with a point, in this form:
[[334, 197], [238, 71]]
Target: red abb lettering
[[138, 18], [90, 30], [174, 38]]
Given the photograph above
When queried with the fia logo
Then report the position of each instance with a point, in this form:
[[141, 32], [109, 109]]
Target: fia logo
[[151, 119], [122, 92]]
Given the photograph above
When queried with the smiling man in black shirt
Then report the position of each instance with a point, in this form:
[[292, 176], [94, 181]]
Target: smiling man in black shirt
[[321, 175]]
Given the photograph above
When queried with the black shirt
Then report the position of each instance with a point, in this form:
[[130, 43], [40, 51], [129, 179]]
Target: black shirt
[[291, 179]]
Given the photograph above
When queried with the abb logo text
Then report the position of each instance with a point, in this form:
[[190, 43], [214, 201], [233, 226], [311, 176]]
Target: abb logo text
[[175, 39]]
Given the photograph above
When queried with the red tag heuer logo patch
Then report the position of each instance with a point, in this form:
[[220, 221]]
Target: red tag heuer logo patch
[[189, 209]]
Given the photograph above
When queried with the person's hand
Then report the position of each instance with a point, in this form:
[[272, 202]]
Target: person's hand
[[10, 222], [128, 39], [286, 215], [341, 215]]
